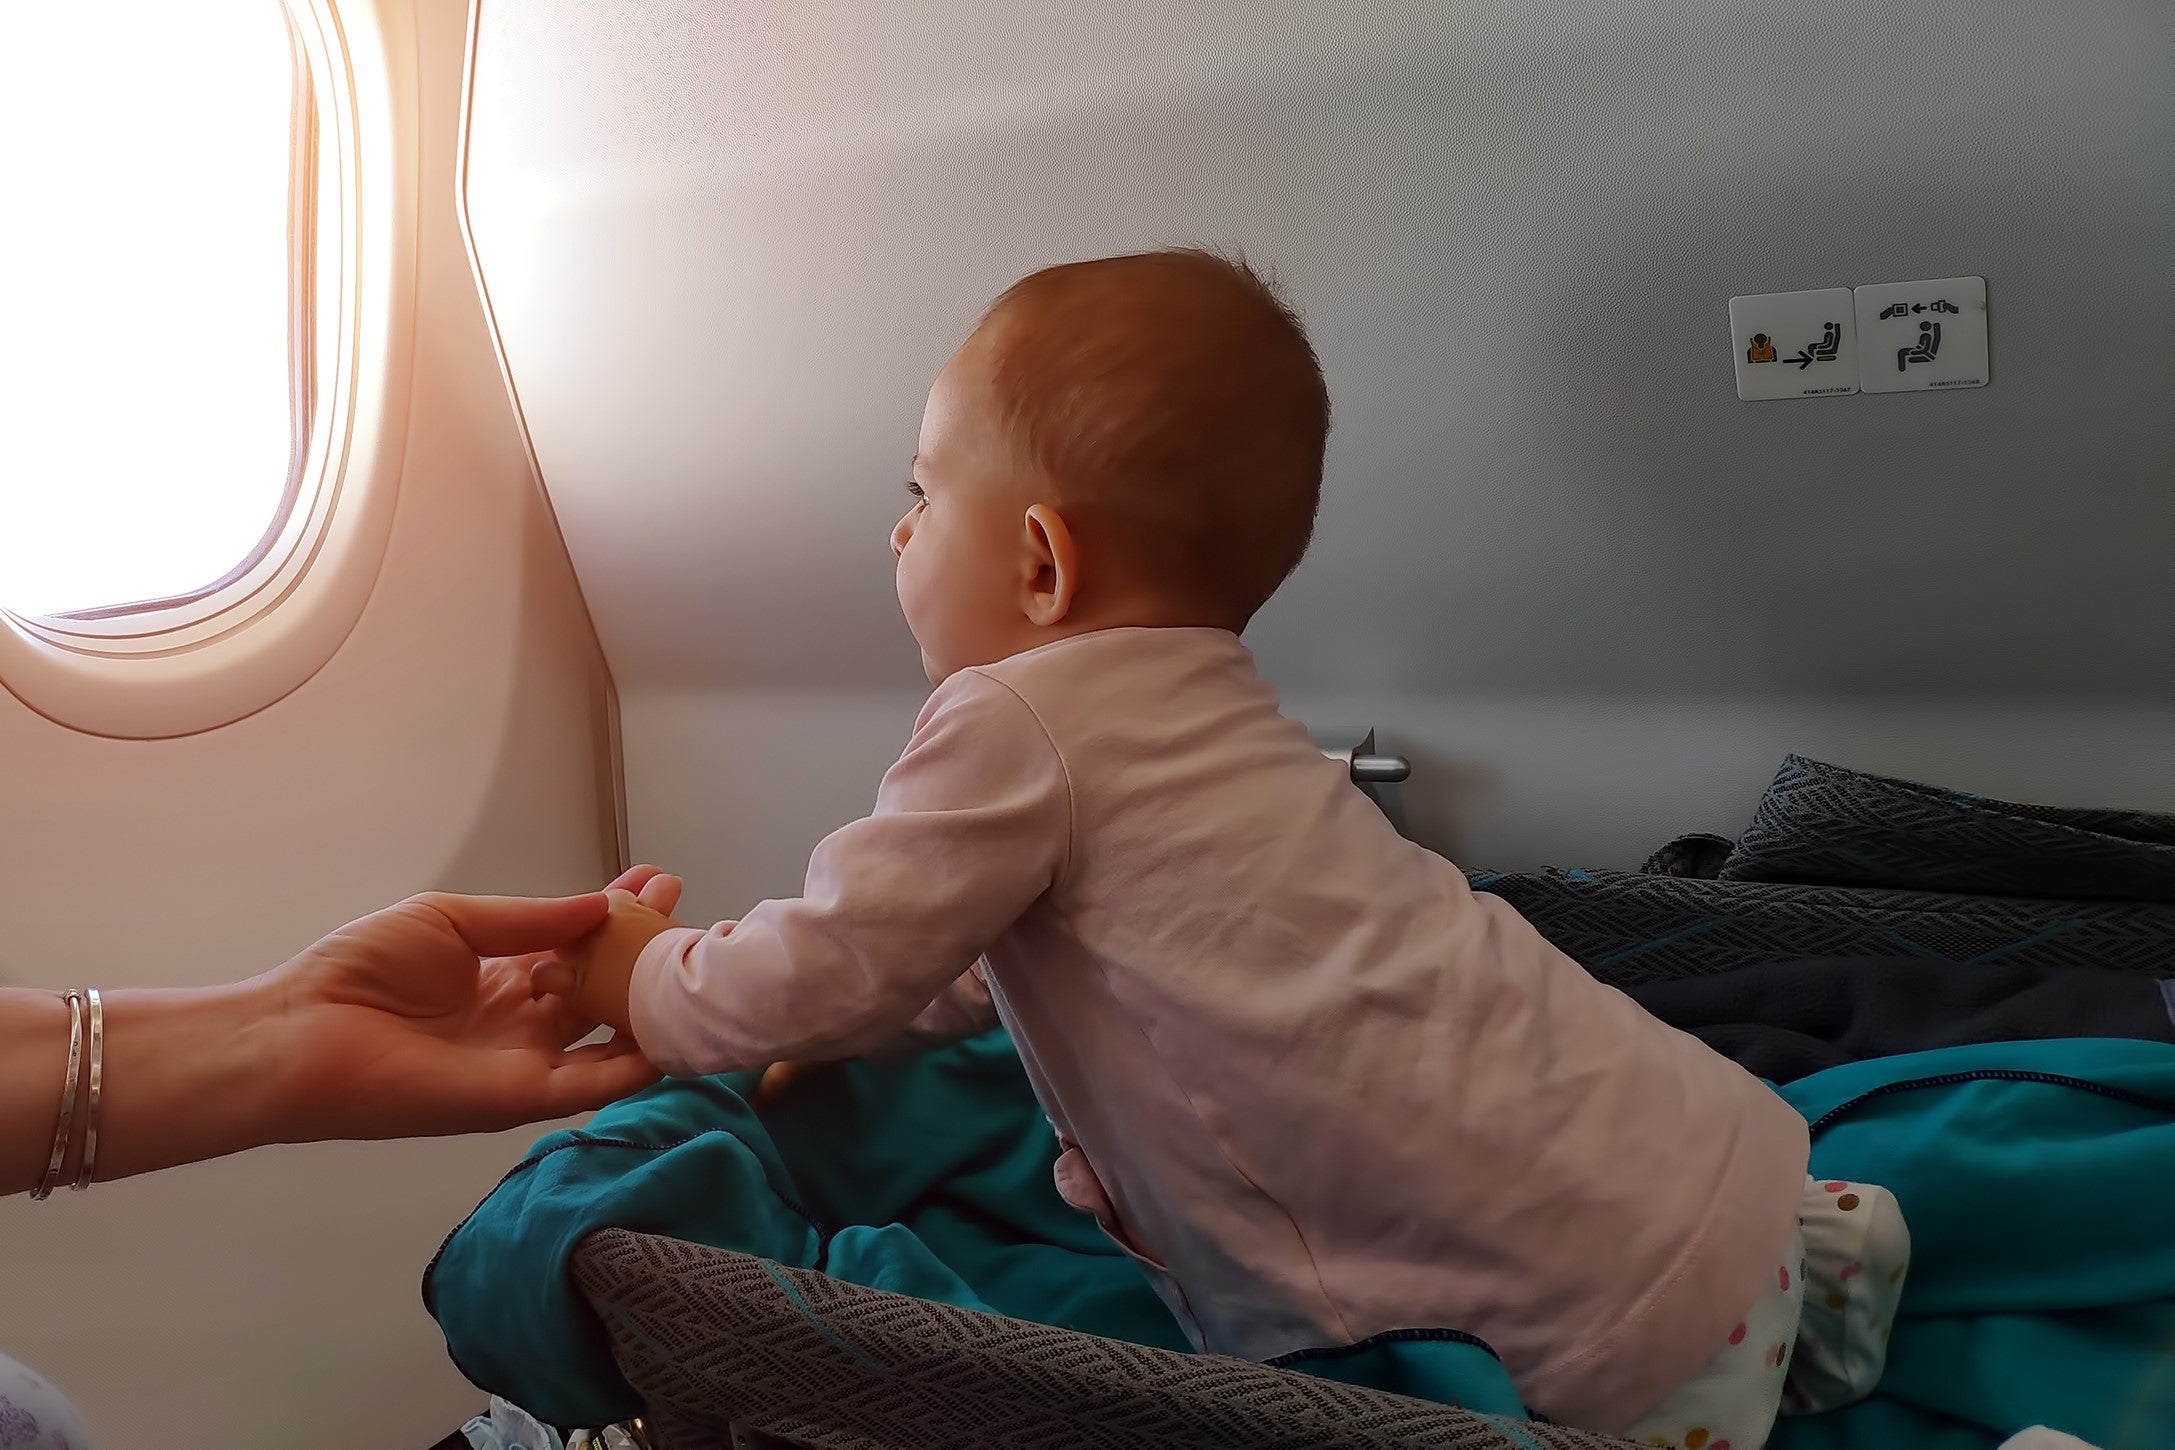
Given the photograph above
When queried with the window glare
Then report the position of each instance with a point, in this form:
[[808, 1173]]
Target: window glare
[[145, 149]]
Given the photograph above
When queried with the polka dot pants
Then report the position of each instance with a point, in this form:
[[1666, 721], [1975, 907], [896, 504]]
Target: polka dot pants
[[34, 1415], [1817, 1339]]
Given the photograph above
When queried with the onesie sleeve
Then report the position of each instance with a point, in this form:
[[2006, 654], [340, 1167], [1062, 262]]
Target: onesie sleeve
[[961, 1010], [971, 826]]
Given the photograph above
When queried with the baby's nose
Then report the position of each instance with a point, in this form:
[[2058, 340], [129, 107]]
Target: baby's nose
[[900, 533]]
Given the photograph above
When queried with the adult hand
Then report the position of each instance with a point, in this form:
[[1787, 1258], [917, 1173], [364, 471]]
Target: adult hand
[[420, 1019], [596, 974]]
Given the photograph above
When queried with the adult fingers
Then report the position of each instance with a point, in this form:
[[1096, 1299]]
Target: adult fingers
[[495, 926], [617, 1046], [481, 1090], [590, 1077]]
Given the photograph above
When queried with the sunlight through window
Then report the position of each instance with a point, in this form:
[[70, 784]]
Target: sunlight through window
[[147, 424]]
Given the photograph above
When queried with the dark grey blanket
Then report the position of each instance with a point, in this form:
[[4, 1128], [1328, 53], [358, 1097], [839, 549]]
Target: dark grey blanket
[[1787, 1020], [1861, 917]]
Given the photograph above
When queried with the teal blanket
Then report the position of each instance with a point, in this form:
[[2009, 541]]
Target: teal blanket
[[2038, 1179]]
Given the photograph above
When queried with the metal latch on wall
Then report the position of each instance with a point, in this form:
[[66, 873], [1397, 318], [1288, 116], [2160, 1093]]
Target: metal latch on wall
[[1356, 748]]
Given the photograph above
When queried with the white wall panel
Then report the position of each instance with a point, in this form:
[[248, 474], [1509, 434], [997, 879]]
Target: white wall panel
[[728, 245]]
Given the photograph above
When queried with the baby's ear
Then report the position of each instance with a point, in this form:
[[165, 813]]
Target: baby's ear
[[1053, 566]]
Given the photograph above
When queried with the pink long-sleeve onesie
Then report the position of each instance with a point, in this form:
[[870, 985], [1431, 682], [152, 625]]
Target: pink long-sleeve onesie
[[1317, 1085]]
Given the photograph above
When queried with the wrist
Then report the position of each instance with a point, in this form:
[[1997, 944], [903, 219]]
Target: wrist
[[272, 1041], [655, 948], [192, 1073]]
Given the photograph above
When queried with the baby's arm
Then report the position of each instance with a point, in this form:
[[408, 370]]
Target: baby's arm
[[960, 1011], [971, 826]]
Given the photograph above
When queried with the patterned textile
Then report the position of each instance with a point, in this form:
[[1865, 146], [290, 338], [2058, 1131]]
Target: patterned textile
[[1821, 823], [721, 1345], [1699, 855], [1629, 929]]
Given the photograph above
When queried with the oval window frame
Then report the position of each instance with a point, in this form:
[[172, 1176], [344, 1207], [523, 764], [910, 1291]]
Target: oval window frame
[[196, 662]]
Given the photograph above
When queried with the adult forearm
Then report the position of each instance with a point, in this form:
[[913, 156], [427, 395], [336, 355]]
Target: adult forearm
[[188, 1074]]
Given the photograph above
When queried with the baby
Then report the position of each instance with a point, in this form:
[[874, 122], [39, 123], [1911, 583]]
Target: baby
[[1315, 1085]]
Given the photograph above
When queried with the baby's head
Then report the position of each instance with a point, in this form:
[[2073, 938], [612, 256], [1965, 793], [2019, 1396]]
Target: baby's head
[[1130, 441]]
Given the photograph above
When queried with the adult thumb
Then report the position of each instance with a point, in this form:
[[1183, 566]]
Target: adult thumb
[[551, 978]]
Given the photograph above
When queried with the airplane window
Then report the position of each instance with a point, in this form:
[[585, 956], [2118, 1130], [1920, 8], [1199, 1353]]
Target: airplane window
[[156, 344]]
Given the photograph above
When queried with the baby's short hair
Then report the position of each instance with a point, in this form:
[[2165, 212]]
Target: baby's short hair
[[1170, 397]]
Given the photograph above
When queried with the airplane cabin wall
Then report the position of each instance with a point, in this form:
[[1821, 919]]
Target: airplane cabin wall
[[1593, 595], [455, 741]]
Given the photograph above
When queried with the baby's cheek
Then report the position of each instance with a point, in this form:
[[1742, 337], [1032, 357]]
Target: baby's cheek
[[911, 595], [922, 598]]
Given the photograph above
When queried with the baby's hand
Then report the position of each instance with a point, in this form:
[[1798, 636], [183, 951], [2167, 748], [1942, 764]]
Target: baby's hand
[[595, 972], [775, 1080]]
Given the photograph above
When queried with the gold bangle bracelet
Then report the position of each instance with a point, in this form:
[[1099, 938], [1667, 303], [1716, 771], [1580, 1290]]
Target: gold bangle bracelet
[[97, 1081], [66, 1127]]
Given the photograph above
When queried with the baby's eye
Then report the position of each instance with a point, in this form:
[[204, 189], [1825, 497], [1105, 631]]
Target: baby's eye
[[914, 489]]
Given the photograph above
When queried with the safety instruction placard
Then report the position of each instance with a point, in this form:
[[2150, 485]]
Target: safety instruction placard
[[1920, 335], [1795, 344]]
